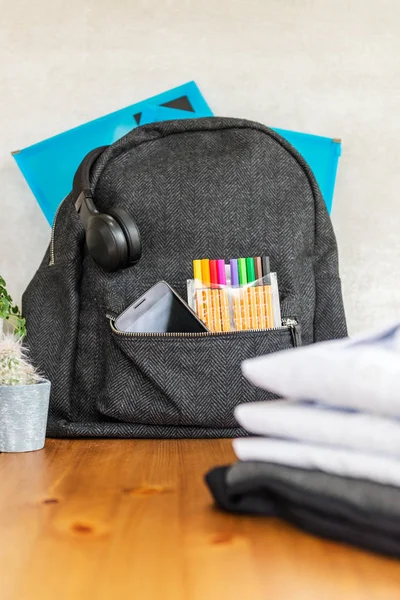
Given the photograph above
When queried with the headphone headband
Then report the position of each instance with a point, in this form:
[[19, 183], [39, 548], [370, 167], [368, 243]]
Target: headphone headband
[[82, 176], [113, 238]]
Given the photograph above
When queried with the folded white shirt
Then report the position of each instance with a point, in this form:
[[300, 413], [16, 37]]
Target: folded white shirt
[[321, 424], [361, 373], [347, 463]]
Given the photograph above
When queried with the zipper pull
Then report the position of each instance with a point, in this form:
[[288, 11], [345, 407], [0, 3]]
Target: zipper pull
[[295, 330]]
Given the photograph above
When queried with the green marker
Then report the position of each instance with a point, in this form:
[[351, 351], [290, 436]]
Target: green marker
[[242, 271], [244, 296], [251, 273]]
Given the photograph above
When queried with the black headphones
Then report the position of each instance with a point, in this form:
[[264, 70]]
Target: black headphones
[[112, 238]]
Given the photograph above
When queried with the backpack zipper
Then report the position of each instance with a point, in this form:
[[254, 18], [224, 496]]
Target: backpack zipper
[[53, 232], [287, 324]]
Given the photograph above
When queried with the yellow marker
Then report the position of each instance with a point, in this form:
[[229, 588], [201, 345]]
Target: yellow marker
[[200, 308], [197, 273]]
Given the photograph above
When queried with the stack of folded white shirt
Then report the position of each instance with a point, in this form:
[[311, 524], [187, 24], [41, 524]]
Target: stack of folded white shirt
[[342, 409]]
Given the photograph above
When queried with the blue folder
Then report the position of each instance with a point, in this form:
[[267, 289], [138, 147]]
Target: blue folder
[[50, 165], [322, 154]]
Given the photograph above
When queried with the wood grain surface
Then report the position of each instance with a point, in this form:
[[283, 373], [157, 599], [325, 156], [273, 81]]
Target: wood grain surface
[[105, 519]]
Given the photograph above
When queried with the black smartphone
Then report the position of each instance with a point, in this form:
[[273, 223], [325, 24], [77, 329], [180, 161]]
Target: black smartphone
[[159, 310]]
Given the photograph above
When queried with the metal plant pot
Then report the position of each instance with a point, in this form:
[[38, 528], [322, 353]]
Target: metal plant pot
[[23, 416]]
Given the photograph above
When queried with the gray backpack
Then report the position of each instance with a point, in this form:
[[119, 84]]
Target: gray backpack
[[211, 187]]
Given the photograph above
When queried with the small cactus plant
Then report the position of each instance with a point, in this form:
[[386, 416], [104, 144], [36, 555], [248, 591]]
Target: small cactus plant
[[15, 369], [14, 366]]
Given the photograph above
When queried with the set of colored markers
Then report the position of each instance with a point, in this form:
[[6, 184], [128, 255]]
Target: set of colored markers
[[238, 296]]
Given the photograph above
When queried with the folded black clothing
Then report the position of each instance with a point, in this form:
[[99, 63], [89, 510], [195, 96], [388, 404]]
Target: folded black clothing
[[357, 512]]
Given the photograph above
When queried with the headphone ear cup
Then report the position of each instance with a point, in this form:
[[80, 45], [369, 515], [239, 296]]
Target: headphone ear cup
[[132, 234], [106, 242]]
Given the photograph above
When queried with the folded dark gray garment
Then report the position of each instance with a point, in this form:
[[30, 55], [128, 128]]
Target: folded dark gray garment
[[361, 513]]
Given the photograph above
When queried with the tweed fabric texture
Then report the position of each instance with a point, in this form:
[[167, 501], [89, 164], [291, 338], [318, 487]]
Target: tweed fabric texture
[[202, 187]]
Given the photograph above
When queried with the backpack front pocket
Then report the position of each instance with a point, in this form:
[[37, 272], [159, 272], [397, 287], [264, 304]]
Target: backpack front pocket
[[184, 379]]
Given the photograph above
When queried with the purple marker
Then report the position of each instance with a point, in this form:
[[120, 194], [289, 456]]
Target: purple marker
[[234, 272]]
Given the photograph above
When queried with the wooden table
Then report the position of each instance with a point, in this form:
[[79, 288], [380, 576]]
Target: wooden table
[[111, 519]]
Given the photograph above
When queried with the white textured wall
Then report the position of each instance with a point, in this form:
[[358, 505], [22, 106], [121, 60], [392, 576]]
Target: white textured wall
[[323, 66]]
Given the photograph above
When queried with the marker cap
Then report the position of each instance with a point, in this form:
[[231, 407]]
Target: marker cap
[[213, 273], [205, 272], [251, 274], [221, 274], [242, 271], [258, 267], [234, 272], [197, 270], [265, 266]]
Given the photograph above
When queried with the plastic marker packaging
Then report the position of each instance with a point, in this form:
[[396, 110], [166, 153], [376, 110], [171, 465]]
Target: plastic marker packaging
[[239, 306]]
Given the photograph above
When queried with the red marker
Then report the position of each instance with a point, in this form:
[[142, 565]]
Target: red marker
[[213, 273]]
